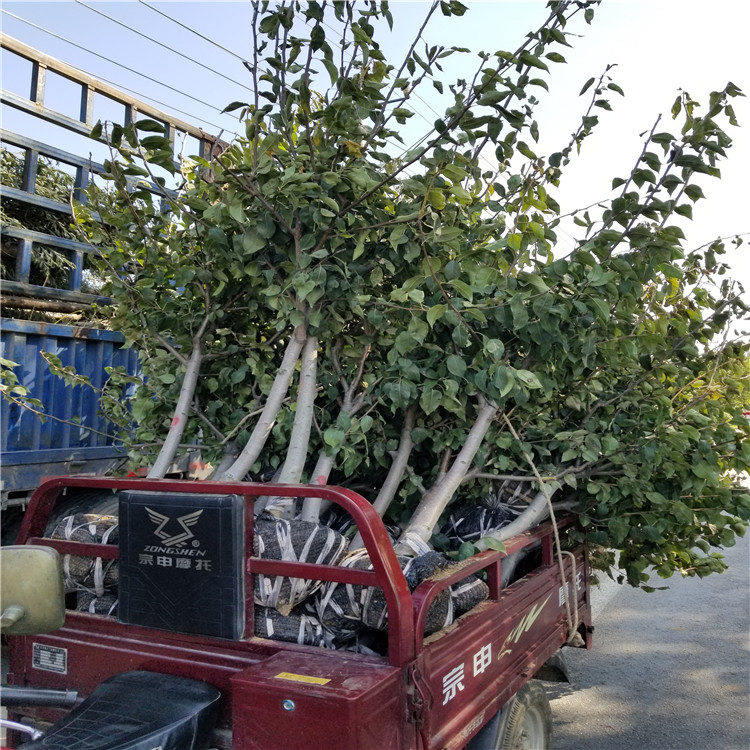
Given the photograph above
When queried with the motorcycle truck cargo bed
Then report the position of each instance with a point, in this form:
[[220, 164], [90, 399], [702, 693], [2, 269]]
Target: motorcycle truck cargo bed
[[422, 693]]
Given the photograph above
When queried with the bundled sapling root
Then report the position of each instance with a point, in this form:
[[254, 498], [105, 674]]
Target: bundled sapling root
[[295, 541]]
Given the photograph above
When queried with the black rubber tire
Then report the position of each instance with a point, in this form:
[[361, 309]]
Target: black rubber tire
[[526, 721], [523, 723]]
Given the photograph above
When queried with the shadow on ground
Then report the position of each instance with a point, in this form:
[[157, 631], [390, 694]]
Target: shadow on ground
[[668, 671]]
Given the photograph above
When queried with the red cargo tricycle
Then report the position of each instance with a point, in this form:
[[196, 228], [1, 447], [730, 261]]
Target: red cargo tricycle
[[149, 678]]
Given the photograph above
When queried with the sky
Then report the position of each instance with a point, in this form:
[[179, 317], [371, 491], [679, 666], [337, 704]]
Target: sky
[[657, 46]]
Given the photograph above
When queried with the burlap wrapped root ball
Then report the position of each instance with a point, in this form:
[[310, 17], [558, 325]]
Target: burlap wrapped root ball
[[500, 506], [86, 601], [340, 520], [470, 523], [301, 625], [348, 611], [295, 541], [466, 594], [93, 575]]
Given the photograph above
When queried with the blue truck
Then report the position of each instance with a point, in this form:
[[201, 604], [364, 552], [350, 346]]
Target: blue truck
[[74, 437]]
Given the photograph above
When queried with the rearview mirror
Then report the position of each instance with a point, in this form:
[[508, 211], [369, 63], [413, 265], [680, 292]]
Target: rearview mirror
[[32, 597]]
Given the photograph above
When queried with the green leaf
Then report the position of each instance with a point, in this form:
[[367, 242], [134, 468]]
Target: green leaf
[[464, 196], [618, 529], [456, 365], [503, 380], [493, 97], [237, 212], [494, 348], [151, 126], [531, 60], [662, 138], [463, 289], [694, 192], [435, 313], [555, 57], [359, 248], [466, 550], [493, 544], [676, 107], [252, 242], [333, 71], [265, 227], [528, 378], [703, 470], [587, 86], [334, 437], [234, 105], [317, 37], [436, 198], [430, 400], [571, 480], [401, 113]]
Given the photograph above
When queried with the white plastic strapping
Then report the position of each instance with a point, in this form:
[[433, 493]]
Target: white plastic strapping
[[283, 593]]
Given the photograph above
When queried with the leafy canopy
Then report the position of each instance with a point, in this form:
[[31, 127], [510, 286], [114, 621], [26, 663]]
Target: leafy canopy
[[431, 276]]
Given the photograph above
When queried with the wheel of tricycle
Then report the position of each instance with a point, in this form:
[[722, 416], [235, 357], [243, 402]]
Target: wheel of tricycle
[[524, 723]]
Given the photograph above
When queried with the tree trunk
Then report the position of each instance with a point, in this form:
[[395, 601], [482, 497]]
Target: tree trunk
[[300, 438], [265, 423], [395, 473], [179, 420], [537, 511], [432, 505]]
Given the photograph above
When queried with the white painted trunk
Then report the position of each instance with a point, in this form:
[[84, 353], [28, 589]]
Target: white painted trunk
[[537, 512], [395, 474], [299, 439], [254, 446], [314, 505], [179, 420], [435, 501]]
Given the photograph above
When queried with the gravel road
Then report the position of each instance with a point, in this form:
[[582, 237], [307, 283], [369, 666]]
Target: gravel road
[[668, 670]]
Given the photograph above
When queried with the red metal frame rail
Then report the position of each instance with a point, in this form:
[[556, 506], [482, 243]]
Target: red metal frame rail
[[386, 573]]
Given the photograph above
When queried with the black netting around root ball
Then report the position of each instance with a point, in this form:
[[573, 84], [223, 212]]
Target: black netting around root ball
[[467, 594], [347, 610], [502, 504], [96, 575], [87, 601], [295, 541], [470, 523], [300, 626], [339, 520], [509, 493]]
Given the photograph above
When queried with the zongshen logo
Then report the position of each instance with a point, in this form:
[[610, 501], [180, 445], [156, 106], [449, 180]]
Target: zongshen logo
[[185, 522]]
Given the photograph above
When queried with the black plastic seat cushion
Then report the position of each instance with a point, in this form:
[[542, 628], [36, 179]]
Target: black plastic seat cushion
[[138, 711]]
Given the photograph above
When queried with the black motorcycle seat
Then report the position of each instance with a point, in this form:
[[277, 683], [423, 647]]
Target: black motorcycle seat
[[137, 711]]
